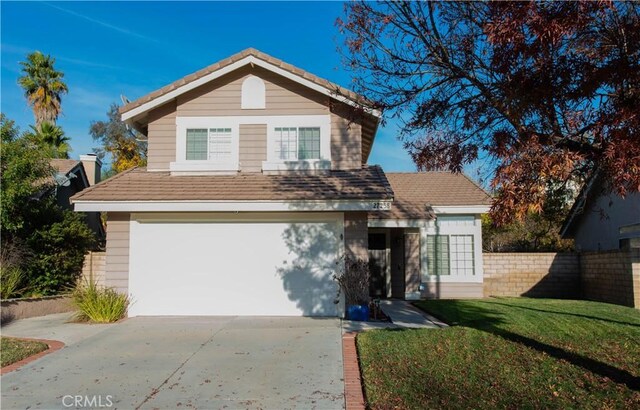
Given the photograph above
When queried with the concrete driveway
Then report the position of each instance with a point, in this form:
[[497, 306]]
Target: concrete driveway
[[196, 362]]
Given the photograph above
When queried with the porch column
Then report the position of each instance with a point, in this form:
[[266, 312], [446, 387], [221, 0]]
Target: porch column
[[412, 265]]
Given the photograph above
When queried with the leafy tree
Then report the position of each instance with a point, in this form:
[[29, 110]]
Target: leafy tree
[[545, 92], [127, 148], [533, 233], [52, 139], [43, 87], [26, 173], [55, 240]]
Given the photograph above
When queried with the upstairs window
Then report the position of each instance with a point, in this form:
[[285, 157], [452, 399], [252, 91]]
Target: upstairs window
[[209, 144], [297, 143]]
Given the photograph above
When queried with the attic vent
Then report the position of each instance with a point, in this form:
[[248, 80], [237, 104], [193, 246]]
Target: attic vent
[[253, 93]]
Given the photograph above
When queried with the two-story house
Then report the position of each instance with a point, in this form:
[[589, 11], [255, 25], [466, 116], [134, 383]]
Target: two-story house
[[257, 183]]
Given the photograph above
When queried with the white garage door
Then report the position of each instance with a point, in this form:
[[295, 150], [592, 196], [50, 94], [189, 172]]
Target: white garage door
[[257, 266]]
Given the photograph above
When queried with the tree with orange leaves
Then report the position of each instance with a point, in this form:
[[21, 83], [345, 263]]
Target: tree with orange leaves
[[127, 147], [545, 92]]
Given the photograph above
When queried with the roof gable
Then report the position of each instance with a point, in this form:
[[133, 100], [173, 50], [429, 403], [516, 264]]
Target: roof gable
[[249, 56], [68, 166]]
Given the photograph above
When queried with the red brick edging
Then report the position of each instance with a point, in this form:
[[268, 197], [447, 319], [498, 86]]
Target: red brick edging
[[53, 346], [354, 397]]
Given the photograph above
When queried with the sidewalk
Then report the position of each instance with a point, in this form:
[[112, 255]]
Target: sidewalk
[[57, 326], [402, 314]]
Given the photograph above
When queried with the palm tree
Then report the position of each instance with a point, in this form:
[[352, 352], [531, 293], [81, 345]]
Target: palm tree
[[52, 139], [43, 87]]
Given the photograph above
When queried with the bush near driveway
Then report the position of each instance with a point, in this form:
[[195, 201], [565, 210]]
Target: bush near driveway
[[99, 305], [507, 353], [14, 350]]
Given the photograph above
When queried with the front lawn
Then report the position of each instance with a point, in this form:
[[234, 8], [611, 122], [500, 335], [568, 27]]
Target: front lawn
[[14, 350], [507, 353]]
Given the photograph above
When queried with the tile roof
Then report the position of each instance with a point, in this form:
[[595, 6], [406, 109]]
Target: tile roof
[[416, 192], [230, 60], [64, 166], [138, 184]]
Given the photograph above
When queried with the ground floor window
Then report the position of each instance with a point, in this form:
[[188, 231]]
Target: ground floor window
[[450, 255]]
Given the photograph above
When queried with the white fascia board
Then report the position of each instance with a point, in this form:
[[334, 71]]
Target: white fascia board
[[231, 67], [226, 206], [399, 223], [466, 209]]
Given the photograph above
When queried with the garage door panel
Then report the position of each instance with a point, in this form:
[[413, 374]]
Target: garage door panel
[[257, 268]]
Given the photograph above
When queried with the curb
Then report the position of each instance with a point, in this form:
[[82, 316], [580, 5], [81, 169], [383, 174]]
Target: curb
[[354, 397], [54, 345]]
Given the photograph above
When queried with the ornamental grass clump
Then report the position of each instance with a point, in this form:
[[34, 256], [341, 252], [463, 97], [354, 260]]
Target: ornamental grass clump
[[98, 304], [353, 278], [10, 279]]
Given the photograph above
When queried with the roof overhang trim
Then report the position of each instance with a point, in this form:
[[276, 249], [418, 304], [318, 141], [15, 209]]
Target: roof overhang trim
[[232, 206], [462, 209], [156, 102]]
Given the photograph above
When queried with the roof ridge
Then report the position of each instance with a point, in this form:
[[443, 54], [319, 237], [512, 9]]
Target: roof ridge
[[477, 185], [303, 74], [102, 183]]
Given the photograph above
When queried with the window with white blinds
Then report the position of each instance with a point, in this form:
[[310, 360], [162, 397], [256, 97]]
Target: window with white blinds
[[297, 143], [450, 255], [213, 144]]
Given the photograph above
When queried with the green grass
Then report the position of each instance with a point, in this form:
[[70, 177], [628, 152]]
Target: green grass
[[14, 350], [507, 353]]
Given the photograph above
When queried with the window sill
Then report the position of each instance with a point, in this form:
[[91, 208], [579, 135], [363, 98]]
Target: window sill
[[302, 165]]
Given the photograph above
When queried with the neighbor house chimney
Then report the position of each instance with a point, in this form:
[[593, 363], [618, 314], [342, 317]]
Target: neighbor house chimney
[[93, 167]]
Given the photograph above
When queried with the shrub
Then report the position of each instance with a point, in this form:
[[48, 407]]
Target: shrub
[[12, 257], [58, 254], [10, 280], [98, 304], [353, 279]]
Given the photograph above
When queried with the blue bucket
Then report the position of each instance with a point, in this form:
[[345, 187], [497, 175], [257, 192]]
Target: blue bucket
[[359, 313]]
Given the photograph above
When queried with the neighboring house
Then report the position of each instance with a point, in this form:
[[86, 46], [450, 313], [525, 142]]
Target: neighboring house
[[256, 183], [73, 176], [600, 221]]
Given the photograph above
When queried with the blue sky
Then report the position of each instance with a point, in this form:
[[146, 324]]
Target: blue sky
[[107, 49]]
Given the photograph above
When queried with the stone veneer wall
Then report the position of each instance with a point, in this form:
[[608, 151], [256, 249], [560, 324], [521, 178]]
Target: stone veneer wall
[[612, 276], [605, 276], [532, 274]]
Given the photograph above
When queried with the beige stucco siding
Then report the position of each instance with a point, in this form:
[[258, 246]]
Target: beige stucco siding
[[412, 262], [346, 146], [452, 290], [253, 147], [222, 97], [356, 235], [117, 253], [162, 137]]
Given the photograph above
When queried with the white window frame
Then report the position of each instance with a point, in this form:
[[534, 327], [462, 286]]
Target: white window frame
[[453, 225], [183, 165], [273, 163], [200, 167]]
